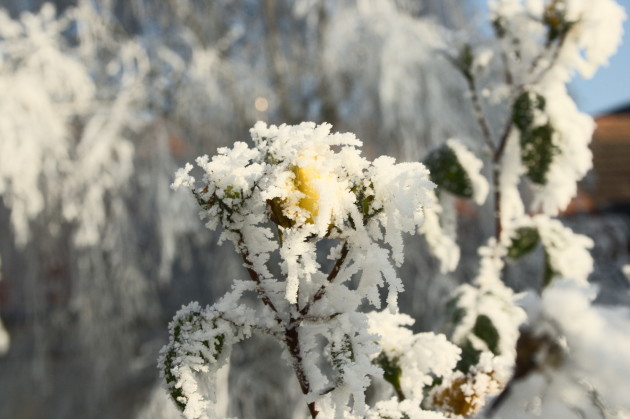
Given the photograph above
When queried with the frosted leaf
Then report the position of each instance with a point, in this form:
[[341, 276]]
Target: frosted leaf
[[573, 133], [486, 316], [350, 349], [439, 230], [473, 167], [200, 343], [568, 252], [416, 359]]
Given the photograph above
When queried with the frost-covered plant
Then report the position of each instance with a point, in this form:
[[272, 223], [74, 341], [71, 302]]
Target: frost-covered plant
[[537, 154], [298, 191], [301, 192]]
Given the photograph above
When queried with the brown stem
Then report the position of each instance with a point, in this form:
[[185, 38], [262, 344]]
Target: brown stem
[[254, 277], [507, 74], [552, 61], [496, 173], [292, 340], [331, 276], [481, 117], [291, 336], [496, 149]]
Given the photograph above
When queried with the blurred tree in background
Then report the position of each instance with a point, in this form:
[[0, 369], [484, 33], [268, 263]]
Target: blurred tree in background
[[103, 100]]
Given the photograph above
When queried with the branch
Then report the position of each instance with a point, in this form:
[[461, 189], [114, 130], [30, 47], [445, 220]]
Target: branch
[[479, 113], [292, 340], [253, 326], [496, 158], [331, 276], [550, 64], [254, 277]]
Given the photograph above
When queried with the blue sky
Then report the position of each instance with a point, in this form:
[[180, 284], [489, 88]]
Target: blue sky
[[610, 88]]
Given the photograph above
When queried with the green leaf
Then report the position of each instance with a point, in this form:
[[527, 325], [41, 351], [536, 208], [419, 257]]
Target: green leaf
[[537, 152], [447, 172], [549, 272], [464, 61], [231, 193], [342, 354], [365, 198], [523, 109], [485, 330], [537, 147], [171, 380], [469, 357], [524, 241], [499, 26], [391, 373], [184, 329]]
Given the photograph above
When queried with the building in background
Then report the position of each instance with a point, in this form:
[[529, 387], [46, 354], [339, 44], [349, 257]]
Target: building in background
[[607, 187], [611, 160]]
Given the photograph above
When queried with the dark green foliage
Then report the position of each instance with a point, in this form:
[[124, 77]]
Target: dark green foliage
[[458, 315], [447, 173], [171, 381], [364, 202], [485, 330], [464, 61], [524, 241], [342, 354], [537, 152], [469, 357], [174, 351], [549, 273], [498, 25], [391, 373], [537, 147], [524, 107]]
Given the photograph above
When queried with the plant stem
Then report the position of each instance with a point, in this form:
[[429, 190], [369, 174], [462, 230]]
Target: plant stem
[[481, 116], [331, 276], [254, 277], [496, 174], [291, 335], [497, 150], [292, 340]]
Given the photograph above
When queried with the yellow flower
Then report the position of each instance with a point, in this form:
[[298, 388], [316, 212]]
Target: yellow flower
[[305, 177]]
